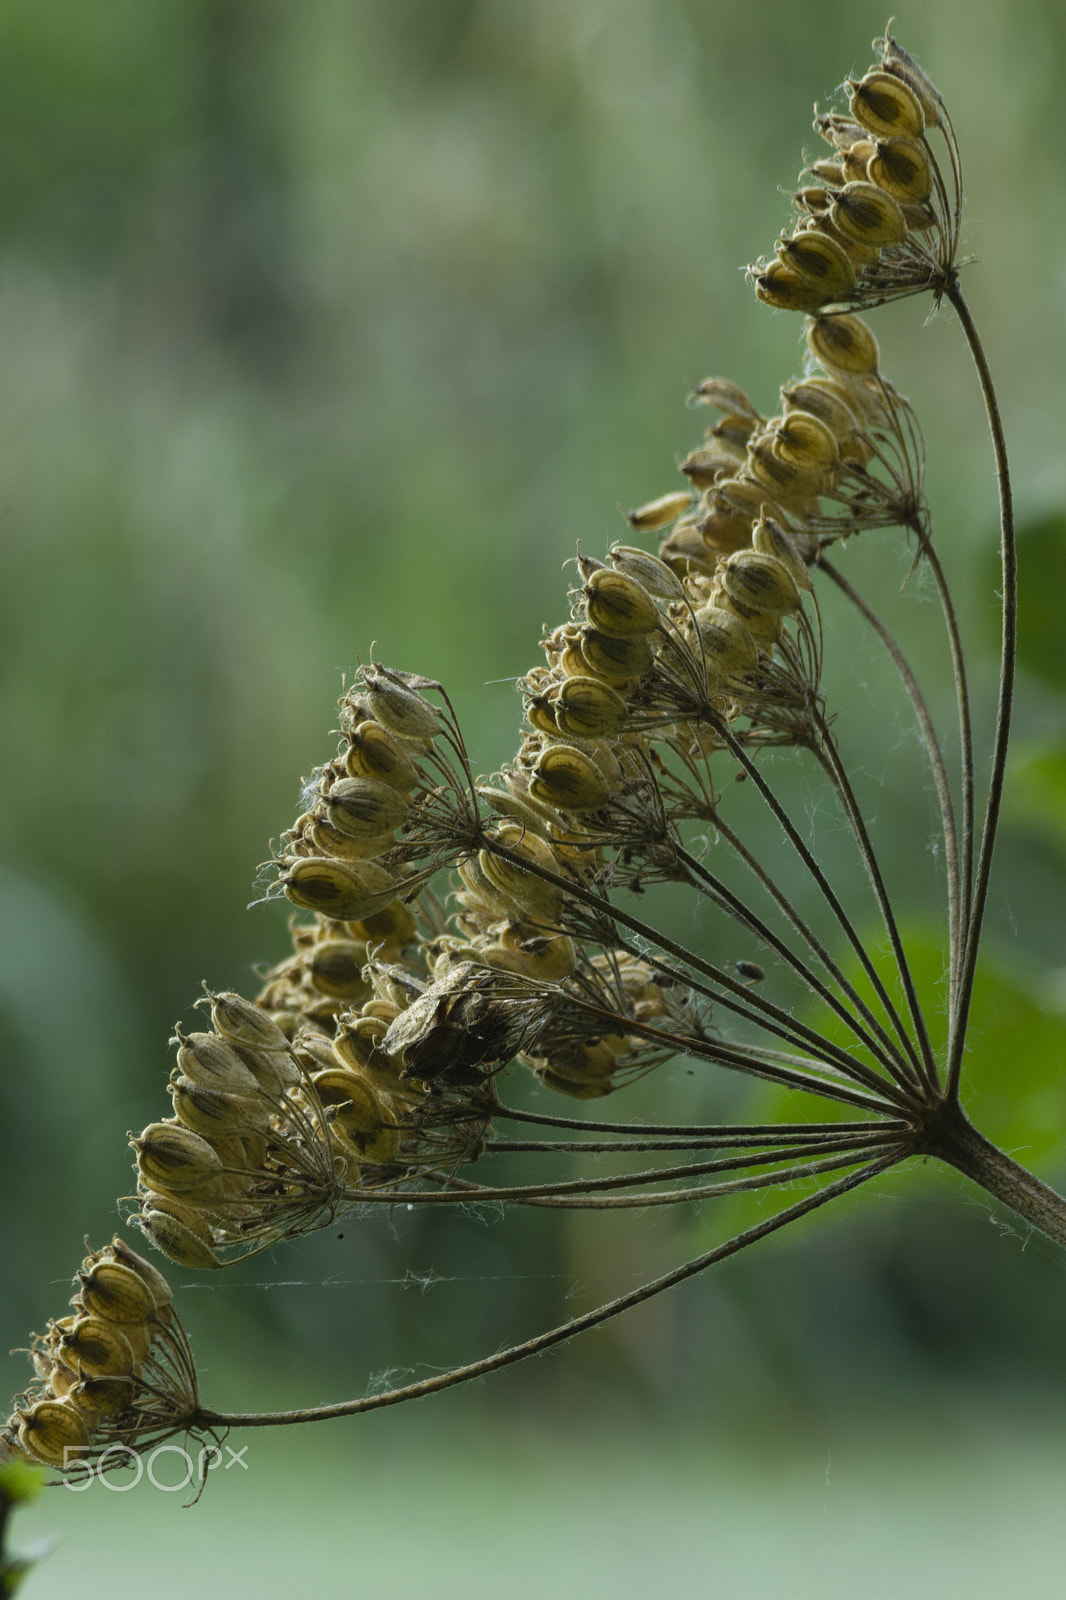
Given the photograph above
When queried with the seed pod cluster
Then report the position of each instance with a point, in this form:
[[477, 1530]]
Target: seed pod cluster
[[116, 1369], [877, 219]]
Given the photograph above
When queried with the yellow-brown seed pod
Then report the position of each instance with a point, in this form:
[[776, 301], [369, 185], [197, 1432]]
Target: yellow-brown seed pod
[[335, 968], [901, 65], [865, 215], [654, 575], [786, 481], [355, 1108], [819, 259], [482, 895], [725, 396], [512, 806], [585, 1089], [178, 1231], [242, 1023], [883, 104], [786, 289], [540, 716], [586, 708], [102, 1396], [759, 583], [213, 1064], [817, 397], [216, 1116], [902, 167], [616, 660], [339, 890], [618, 605], [534, 896], [157, 1285], [804, 441], [322, 838], [658, 513], [116, 1293], [711, 461], [568, 780], [765, 627], [54, 1432], [728, 646], [170, 1156], [772, 540], [393, 927], [94, 1347], [363, 807], [399, 706], [374, 753], [358, 1047], [854, 160], [843, 344], [550, 958], [828, 173]]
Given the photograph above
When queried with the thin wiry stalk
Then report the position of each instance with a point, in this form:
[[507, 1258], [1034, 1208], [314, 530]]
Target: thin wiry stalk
[[558, 1335], [828, 757], [934, 752], [828, 893], [1009, 564], [708, 881], [723, 1134]]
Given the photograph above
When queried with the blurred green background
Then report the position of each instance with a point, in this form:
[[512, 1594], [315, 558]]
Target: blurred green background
[[343, 322]]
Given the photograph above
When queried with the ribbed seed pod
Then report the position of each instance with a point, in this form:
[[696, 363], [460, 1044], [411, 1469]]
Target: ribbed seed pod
[[102, 1396], [728, 646], [784, 288], [322, 838], [535, 896], [816, 397], [759, 583], [550, 958], [116, 1293], [568, 780], [213, 1064], [154, 1281], [843, 344], [335, 968], [618, 605], [339, 890], [854, 160], [772, 540], [654, 575], [801, 440], [902, 167], [363, 807], [512, 806], [616, 660], [374, 753], [170, 1156], [243, 1023], [586, 708], [358, 1111], [866, 215], [883, 104], [398, 706], [178, 1231], [54, 1433], [213, 1115], [658, 513], [821, 260], [98, 1348]]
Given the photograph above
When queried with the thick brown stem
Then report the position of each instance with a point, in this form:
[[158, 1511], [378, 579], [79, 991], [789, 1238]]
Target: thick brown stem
[[956, 1141]]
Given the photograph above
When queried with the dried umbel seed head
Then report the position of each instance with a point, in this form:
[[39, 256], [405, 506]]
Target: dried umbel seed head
[[843, 344], [658, 513], [618, 605], [882, 103]]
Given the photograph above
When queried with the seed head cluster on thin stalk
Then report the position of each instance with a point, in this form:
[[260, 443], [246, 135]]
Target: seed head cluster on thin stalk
[[452, 931]]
